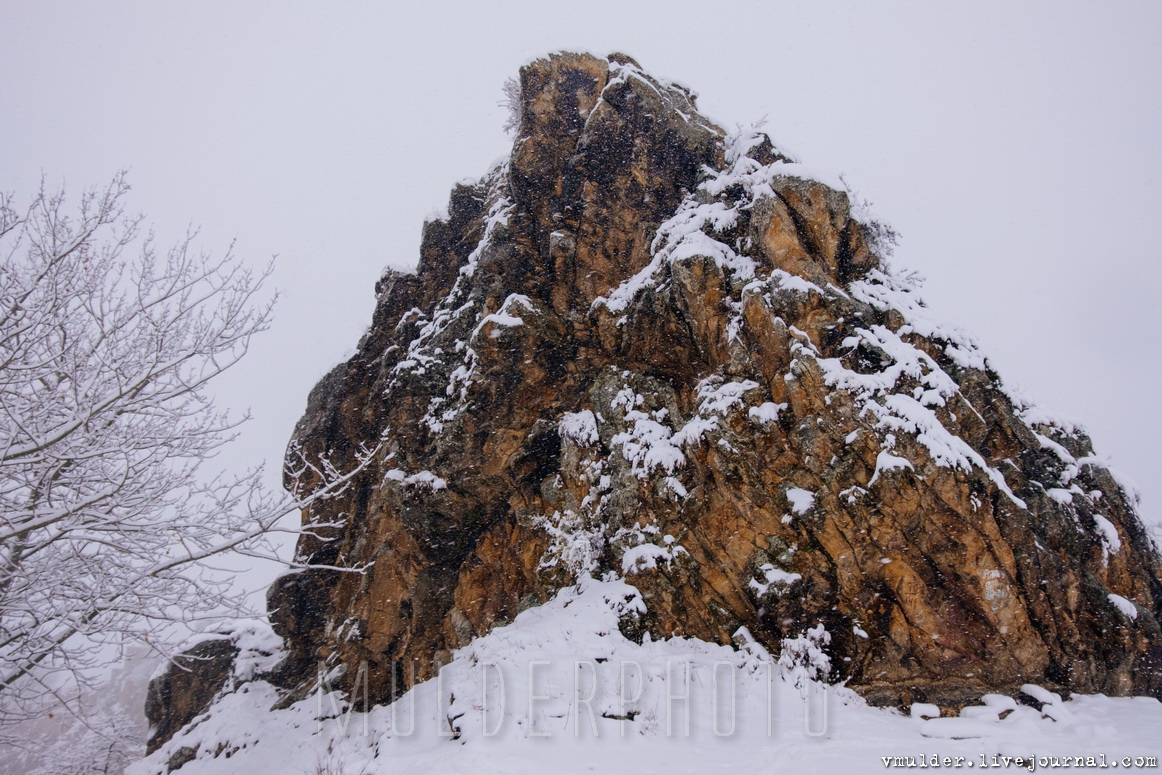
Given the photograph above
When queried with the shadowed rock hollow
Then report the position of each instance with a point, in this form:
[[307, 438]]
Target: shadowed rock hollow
[[648, 348]]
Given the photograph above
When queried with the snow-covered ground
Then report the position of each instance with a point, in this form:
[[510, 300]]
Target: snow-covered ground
[[560, 689]]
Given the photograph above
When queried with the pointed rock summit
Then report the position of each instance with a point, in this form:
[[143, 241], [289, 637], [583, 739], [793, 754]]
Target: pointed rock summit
[[648, 349]]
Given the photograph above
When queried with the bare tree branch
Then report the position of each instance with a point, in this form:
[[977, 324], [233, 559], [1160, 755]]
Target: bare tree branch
[[106, 518]]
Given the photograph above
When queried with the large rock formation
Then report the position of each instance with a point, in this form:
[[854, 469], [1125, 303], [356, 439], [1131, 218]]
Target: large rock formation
[[647, 348]]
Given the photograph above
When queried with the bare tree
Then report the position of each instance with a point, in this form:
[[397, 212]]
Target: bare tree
[[512, 103], [106, 348]]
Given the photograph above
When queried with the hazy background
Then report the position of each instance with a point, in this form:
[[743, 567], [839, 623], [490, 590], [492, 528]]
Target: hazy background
[[1016, 148]]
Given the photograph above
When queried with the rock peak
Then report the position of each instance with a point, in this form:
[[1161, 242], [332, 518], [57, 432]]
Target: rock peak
[[647, 349]]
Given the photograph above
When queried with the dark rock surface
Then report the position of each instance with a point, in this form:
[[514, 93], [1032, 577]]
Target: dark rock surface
[[186, 689]]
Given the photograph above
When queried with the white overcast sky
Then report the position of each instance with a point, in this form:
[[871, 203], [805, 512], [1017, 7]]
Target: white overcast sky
[[1017, 147]]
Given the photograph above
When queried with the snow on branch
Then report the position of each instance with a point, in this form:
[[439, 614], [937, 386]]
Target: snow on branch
[[107, 345]]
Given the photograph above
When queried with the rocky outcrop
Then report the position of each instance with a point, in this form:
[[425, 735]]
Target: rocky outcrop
[[647, 348], [220, 665], [187, 687]]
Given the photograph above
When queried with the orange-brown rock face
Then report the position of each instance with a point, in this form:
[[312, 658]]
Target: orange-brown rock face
[[646, 348]]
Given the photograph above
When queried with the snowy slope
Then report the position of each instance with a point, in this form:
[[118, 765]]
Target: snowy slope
[[641, 716]]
